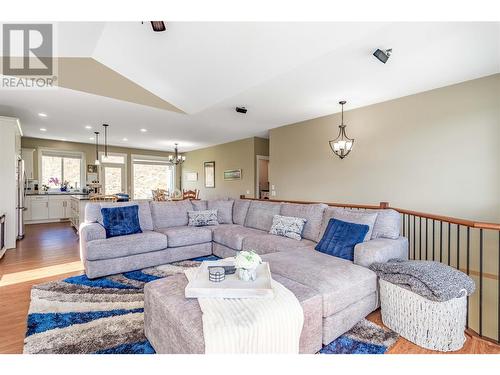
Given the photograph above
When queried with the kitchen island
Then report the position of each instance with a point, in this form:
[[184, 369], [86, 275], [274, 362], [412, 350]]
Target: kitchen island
[[53, 207], [77, 205]]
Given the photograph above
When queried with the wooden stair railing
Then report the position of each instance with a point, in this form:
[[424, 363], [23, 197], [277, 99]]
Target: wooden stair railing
[[460, 243]]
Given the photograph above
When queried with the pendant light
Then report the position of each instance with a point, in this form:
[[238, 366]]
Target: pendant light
[[105, 139], [342, 145], [176, 158], [97, 148]]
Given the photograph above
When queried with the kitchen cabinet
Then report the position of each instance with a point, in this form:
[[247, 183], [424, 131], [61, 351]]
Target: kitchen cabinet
[[39, 207], [47, 208], [27, 156], [57, 208], [77, 205]]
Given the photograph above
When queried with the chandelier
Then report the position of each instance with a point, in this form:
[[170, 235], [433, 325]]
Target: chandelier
[[342, 145], [176, 158]]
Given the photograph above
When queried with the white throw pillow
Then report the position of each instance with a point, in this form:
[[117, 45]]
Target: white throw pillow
[[288, 226]]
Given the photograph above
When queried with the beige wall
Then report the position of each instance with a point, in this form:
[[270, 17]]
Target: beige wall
[[437, 151], [233, 155], [89, 151]]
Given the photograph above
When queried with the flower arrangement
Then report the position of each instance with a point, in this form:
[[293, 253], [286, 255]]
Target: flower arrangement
[[246, 263], [54, 181], [63, 184]]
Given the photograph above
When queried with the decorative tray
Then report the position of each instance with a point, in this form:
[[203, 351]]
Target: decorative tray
[[231, 286]]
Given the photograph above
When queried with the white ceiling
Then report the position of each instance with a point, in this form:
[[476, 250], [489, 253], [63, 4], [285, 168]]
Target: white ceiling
[[282, 72]]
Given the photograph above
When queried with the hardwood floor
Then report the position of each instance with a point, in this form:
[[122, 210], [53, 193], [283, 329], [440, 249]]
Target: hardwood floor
[[50, 252]]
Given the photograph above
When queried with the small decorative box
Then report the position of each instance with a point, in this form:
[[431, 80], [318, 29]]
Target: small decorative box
[[216, 274]]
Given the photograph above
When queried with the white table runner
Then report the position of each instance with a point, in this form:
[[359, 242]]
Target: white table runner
[[252, 325]]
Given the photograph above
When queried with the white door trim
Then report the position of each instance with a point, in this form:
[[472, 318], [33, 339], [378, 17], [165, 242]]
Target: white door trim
[[257, 173]]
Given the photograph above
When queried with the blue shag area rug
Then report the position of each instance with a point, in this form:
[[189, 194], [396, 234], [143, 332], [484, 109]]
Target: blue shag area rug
[[106, 316]]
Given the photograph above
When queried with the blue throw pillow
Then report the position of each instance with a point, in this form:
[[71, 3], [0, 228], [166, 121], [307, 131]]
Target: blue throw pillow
[[121, 220], [340, 237]]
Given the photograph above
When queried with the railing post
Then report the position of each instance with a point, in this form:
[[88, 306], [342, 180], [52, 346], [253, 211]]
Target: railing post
[[384, 205]]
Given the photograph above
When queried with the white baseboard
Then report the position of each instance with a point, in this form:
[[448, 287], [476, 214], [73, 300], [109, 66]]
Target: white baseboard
[[45, 221]]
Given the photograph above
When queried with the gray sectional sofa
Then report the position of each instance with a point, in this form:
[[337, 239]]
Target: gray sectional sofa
[[348, 290]]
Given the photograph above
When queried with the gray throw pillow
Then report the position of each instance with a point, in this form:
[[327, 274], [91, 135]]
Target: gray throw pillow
[[224, 210], [202, 218], [387, 225], [288, 226]]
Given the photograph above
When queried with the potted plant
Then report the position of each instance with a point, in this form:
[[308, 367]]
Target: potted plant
[[246, 263]]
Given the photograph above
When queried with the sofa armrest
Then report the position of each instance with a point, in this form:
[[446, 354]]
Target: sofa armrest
[[91, 231], [380, 250]]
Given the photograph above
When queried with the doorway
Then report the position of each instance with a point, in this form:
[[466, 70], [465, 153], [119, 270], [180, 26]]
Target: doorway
[[262, 177]]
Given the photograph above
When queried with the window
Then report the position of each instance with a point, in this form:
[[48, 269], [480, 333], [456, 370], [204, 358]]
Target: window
[[150, 173], [60, 166], [114, 173]]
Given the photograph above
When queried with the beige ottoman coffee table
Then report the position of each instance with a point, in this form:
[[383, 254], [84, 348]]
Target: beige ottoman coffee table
[[173, 323]]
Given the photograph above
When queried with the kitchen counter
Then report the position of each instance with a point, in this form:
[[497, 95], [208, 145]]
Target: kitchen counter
[[58, 193], [81, 197]]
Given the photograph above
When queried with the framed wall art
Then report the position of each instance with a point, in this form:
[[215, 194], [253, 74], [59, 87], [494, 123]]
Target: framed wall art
[[209, 168], [232, 174], [191, 176]]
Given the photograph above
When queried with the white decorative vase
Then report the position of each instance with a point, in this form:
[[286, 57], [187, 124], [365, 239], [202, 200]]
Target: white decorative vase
[[247, 275]]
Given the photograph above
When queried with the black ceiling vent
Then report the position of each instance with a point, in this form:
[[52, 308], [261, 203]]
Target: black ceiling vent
[[241, 110]]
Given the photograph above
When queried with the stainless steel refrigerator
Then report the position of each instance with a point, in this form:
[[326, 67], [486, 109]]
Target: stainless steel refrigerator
[[21, 197]]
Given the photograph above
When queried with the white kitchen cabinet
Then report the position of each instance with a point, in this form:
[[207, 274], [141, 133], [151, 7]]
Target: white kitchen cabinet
[[27, 155], [47, 208], [27, 212], [39, 208], [77, 206], [56, 208]]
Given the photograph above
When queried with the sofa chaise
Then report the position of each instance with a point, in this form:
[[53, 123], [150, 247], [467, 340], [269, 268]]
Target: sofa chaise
[[348, 290]]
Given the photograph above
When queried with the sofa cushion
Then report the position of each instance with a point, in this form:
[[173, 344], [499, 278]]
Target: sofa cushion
[[340, 238], [170, 214], [93, 212], [351, 216], [120, 221], [260, 215], [313, 213], [202, 218], [214, 227], [240, 209], [340, 282], [224, 210], [232, 236], [199, 205], [185, 236], [269, 243], [118, 247], [387, 225], [288, 226]]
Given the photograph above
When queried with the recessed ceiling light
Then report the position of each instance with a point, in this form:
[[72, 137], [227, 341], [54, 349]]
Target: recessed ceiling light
[[41, 114], [125, 139], [91, 138], [43, 129], [88, 127], [144, 130]]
